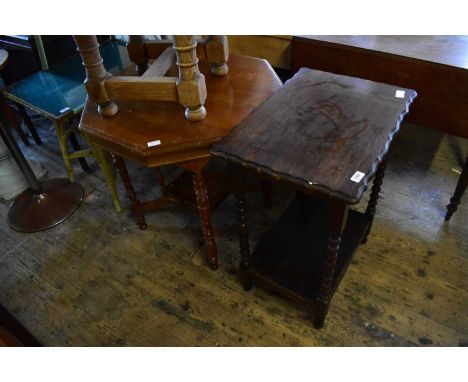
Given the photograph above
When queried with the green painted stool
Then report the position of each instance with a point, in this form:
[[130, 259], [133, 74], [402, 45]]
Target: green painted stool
[[59, 94]]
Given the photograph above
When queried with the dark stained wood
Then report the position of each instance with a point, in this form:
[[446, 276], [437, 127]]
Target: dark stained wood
[[315, 134], [318, 130], [435, 66], [203, 204], [374, 196], [135, 203], [462, 184]]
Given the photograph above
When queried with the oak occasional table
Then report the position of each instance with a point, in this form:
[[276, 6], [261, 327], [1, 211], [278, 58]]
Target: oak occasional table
[[155, 133], [326, 136]]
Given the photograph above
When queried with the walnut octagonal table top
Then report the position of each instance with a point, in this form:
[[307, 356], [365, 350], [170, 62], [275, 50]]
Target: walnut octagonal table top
[[230, 99]]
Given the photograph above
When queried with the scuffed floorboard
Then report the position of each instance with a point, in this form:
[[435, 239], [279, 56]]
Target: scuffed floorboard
[[97, 280]]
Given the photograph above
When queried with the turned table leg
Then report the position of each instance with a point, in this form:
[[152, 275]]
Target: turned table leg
[[241, 213], [336, 224], [136, 52], [203, 204], [462, 184], [136, 206], [374, 196]]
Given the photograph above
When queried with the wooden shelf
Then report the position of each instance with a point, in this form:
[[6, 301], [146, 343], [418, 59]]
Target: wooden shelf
[[289, 258]]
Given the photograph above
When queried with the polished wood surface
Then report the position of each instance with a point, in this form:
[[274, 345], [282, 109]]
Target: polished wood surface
[[231, 98], [319, 130], [435, 66], [445, 50]]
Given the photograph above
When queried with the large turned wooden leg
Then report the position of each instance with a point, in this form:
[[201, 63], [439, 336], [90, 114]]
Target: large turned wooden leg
[[136, 207], [336, 224], [96, 74], [217, 54], [203, 204], [191, 87], [137, 53], [459, 191], [374, 196], [241, 213]]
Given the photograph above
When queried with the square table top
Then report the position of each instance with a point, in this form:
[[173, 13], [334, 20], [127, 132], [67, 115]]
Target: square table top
[[323, 132], [59, 91]]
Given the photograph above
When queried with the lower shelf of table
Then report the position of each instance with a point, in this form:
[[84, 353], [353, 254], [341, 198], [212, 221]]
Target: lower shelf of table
[[290, 257]]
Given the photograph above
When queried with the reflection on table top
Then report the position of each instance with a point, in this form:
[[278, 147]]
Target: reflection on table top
[[60, 90], [445, 50]]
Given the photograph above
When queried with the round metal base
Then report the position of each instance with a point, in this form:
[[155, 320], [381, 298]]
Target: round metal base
[[33, 212]]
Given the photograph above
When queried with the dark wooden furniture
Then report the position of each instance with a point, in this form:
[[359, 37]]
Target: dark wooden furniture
[[326, 135], [155, 133], [436, 66], [459, 191]]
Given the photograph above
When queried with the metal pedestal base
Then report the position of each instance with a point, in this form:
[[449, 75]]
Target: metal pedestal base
[[33, 212]]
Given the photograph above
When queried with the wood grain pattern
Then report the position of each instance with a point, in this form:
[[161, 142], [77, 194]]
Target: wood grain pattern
[[318, 130], [142, 88], [232, 97], [435, 66], [161, 65]]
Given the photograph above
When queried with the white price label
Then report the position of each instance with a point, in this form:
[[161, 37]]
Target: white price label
[[400, 94], [357, 176], [154, 143]]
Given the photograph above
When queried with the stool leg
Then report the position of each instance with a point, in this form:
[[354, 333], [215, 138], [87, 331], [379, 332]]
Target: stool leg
[[462, 184], [241, 213], [62, 139], [136, 206], [29, 123], [203, 205], [76, 147], [104, 160], [374, 196], [336, 224]]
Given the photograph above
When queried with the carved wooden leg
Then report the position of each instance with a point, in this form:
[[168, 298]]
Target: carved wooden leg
[[374, 196], [96, 74], [462, 184], [267, 189], [136, 53], [104, 160], [336, 224], [217, 54], [241, 213], [136, 207], [191, 87], [162, 183], [29, 124], [205, 217]]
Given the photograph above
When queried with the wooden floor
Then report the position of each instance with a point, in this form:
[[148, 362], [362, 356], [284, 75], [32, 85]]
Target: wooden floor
[[98, 280]]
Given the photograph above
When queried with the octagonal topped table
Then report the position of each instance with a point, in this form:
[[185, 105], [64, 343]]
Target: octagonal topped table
[[155, 133]]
